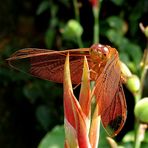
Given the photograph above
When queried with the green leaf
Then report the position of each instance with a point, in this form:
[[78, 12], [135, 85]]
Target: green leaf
[[42, 7], [103, 141], [114, 37], [117, 23], [134, 52], [32, 91], [43, 116], [53, 139], [49, 37], [128, 140], [124, 57], [146, 137]]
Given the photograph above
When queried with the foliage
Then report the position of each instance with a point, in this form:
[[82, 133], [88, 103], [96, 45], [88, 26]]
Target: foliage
[[53, 139], [30, 107]]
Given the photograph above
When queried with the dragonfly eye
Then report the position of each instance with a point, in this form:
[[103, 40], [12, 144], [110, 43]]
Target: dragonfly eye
[[101, 50]]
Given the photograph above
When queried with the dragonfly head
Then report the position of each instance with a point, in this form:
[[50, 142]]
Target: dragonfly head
[[99, 52]]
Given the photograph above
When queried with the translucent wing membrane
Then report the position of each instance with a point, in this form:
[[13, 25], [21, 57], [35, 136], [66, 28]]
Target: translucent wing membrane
[[48, 64], [114, 116], [107, 84], [110, 97]]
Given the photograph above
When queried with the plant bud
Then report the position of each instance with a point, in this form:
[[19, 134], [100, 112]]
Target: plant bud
[[133, 83], [141, 110], [125, 70], [146, 31], [73, 28]]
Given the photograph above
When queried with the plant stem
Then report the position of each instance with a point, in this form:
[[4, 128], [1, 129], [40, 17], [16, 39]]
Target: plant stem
[[76, 10], [80, 41], [137, 139], [139, 131], [143, 74], [77, 17], [96, 11], [96, 26], [140, 134]]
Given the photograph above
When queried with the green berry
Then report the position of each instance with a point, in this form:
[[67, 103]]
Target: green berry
[[133, 83], [73, 29], [141, 110]]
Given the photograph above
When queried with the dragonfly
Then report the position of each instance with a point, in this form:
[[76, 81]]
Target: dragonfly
[[105, 70]]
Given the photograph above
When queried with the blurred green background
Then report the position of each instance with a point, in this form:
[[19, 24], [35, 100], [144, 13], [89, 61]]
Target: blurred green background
[[30, 107]]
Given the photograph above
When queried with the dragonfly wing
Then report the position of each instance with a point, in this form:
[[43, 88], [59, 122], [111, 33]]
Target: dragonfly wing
[[113, 117], [107, 84], [108, 95], [49, 64]]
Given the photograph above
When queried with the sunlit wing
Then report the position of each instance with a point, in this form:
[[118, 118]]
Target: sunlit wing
[[113, 117], [106, 88], [107, 84], [49, 64]]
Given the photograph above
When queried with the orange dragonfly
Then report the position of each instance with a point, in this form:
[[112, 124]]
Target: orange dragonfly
[[104, 67]]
